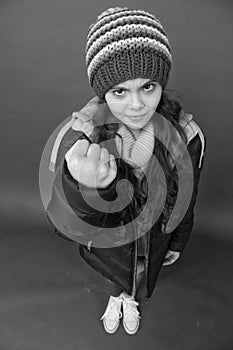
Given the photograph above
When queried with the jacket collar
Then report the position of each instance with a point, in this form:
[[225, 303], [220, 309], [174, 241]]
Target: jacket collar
[[82, 121]]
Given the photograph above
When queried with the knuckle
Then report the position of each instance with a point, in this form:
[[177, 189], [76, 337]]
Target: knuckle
[[92, 146], [105, 150], [82, 141]]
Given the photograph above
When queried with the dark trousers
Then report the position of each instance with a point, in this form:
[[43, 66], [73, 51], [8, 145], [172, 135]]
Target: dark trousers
[[115, 290]]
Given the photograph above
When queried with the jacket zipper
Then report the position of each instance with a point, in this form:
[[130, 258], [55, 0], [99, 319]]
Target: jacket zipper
[[135, 256], [147, 263], [135, 262]]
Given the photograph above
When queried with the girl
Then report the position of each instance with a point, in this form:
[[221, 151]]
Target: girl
[[126, 233]]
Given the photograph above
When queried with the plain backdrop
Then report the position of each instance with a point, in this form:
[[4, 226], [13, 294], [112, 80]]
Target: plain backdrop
[[43, 80]]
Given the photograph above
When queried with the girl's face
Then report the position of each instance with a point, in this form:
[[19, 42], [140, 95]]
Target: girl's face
[[134, 101]]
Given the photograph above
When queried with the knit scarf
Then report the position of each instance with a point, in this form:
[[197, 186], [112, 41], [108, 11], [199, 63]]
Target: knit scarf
[[136, 152]]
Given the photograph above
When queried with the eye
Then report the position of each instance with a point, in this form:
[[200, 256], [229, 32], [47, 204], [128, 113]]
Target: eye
[[149, 87], [119, 92]]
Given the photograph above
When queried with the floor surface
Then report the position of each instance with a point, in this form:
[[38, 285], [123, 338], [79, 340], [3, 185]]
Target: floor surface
[[51, 300]]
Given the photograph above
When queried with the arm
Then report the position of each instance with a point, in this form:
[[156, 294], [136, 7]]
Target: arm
[[73, 192], [181, 234], [66, 197]]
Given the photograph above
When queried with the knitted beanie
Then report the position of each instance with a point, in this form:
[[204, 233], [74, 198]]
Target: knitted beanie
[[126, 44]]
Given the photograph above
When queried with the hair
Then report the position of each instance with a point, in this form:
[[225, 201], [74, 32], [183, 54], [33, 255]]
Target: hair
[[170, 108]]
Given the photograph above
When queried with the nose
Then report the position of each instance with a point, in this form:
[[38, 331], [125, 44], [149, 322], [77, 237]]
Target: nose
[[135, 102]]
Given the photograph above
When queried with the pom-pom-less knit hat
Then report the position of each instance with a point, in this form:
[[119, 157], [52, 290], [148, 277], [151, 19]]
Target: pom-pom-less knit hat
[[126, 44]]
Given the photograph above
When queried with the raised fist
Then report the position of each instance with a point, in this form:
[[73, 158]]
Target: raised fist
[[90, 164]]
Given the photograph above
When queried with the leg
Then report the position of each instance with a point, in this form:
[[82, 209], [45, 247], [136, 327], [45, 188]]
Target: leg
[[112, 287], [131, 319], [112, 314], [140, 271], [115, 290]]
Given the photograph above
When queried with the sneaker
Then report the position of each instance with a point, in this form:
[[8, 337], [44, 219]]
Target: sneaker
[[131, 316], [112, 315]]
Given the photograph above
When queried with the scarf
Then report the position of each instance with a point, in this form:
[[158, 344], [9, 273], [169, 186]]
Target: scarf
[[136, 152]]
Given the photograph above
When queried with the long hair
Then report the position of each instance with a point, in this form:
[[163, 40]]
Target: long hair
[[170, 108]]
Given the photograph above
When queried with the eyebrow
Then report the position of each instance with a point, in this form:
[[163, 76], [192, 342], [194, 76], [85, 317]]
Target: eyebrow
[[122, 87]]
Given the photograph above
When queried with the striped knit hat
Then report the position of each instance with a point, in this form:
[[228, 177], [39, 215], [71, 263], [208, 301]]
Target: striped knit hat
[[126, 44]]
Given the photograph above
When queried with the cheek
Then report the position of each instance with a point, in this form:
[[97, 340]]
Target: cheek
[[117, 108], [154, 101]]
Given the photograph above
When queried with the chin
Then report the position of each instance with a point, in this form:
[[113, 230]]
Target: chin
[[137, 126]]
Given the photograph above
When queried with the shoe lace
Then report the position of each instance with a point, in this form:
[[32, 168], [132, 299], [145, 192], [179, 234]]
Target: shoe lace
[[113, 310], [130, 309]]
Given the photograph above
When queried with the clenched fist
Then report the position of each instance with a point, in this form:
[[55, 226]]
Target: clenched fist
[[90, 164]]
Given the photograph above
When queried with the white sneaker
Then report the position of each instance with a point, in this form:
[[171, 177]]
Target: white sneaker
[[131, 316], [112, 315]]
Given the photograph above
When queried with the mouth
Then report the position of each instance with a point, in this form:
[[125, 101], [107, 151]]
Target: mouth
[[136, 116]]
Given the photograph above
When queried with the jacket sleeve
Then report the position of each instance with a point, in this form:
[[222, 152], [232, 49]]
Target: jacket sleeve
[[86, 210], [65, 192], [181, 235]]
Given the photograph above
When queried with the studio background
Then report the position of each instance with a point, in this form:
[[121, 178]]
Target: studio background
[[45, 289]]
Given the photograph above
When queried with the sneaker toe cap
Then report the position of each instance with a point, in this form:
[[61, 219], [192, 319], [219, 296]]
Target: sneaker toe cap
[[110, 325], [131, 327]]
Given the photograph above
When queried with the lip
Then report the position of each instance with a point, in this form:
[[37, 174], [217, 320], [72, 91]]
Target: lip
[[136, 116]]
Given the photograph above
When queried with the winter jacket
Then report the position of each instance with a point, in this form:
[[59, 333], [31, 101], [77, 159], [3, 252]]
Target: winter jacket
[[116, 262]]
